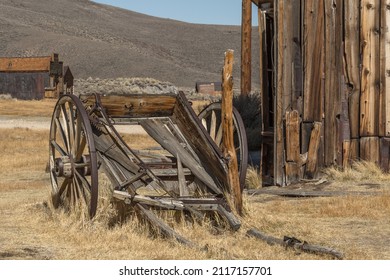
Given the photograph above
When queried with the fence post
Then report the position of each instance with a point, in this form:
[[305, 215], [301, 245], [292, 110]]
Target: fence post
[[228, 149]]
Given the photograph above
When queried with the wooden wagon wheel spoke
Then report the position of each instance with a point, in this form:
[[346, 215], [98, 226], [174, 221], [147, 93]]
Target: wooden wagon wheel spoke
[[211, 118], [73, 165], [62, 133], [85, 185], [58, 148], [81, 147], [77, 138], [218, 139], [65, 125]]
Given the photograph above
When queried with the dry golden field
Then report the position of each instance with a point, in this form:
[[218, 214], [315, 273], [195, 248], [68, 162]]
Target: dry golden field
[[356, 225]]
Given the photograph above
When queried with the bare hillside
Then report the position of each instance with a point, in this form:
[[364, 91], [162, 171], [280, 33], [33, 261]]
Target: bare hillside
[[106, 42]]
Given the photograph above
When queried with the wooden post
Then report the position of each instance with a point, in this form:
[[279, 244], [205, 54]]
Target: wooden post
[[279, 178], [246, 47], [228, 149]]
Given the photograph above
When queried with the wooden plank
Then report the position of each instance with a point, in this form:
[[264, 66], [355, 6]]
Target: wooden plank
[[369, 149], [279, 178], [161, 225], [287, 46], [137, 105], [346, 153], [350, 152], [369, 36], [262, 57], [246, 47], [384, 148], [264, 73], [292, 136], [332, 105], [354, 150], [296, 244], [293, 171], [228, 148], [352, 63], [306, 128], [183, 189], [297, 59], [213, 125], [234, 223], [312, 157], [384, 128], [157, 131], [313, 57], [25, 64], [208, 153]]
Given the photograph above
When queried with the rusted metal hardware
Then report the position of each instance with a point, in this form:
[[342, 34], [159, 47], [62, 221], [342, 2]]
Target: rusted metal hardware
[[187, 173]]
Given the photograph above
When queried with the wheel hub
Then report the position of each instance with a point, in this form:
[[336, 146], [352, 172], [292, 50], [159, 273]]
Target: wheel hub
[[63, 167]]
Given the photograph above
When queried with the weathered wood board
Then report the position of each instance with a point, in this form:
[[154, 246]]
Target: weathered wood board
[[138, 105]]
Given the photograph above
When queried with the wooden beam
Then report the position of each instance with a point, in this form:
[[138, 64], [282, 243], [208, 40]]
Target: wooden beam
[[25, 64], [228, 148], [138, 105], [246, 47]]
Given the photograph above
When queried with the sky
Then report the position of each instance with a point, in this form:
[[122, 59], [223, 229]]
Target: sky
[[193, 11]]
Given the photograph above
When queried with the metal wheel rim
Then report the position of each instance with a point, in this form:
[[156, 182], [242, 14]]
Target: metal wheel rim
[[239, 132], [72, 157]]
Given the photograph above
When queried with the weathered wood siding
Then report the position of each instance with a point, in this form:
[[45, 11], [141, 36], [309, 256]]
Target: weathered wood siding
[[331, 85]]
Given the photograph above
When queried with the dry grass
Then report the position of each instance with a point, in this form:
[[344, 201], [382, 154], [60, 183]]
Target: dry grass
[[31, 108], [360, 171], [32, 229], [253, 179]]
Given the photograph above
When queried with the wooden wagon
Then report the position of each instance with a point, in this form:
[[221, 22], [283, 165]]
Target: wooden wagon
[[188, 173]]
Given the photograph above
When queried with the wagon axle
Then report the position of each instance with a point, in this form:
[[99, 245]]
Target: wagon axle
[[64, 166]]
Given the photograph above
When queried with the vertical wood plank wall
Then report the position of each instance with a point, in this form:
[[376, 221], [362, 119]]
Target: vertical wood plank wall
[[332, 85]]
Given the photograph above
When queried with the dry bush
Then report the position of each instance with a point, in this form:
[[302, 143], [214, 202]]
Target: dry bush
[[360, 171], [253, 179], [5, 96], [249, 109], [123, 86]]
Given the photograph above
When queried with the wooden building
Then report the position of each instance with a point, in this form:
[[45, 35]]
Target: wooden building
[[325, 88], [34, 77], [212, 88]]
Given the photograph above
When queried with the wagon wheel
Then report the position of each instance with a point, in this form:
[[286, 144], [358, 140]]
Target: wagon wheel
[[72, 157], [211, 120]]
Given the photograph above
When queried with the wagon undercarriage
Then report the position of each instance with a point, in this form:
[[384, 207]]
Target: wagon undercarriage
[[188, 173]]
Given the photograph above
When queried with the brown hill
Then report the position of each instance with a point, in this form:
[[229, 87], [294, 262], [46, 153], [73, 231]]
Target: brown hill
[[102, 41]]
